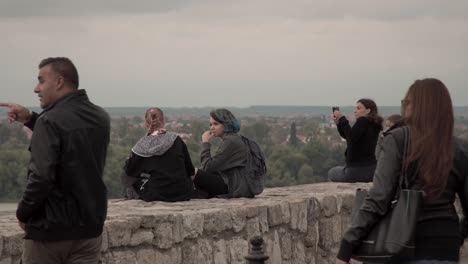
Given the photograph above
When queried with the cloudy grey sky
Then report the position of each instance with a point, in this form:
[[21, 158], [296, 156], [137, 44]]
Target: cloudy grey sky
[[237, 52]]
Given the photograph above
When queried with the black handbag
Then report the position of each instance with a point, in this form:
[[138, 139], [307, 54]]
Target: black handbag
[[393, 235]]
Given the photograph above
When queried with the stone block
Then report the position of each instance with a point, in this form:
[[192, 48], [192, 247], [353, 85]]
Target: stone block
[[238, 219], [314, 210], [311, 238], [119, 233], [197, 253], [146, 256], [299, 215], [238, 248], [1, 246], [171, 256], [298, 254], [178, 228], [142, 236], [192, 225], [272, 248], [347, 203], [285, 243], [163, 237], [253, 227], [278, 214], [328, 206], [220, 255], [6, 261], [12, 244], [263, 219], [217, 221], [329, 232], [105, 240], [122, 257]]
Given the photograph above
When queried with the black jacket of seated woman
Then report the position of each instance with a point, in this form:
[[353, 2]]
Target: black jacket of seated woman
[[361, 140], [159, 167]]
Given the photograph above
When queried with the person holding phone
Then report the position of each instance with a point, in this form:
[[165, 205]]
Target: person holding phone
[[361, 140]]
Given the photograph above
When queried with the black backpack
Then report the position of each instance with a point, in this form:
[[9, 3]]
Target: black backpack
[[256, 169]]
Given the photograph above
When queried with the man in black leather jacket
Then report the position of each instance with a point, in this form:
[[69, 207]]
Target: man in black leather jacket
[[64, 206]]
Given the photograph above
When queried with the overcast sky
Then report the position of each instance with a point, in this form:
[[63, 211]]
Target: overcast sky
[[237, 52]]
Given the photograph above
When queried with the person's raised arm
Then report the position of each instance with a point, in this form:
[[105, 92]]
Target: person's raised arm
[[19, 113]]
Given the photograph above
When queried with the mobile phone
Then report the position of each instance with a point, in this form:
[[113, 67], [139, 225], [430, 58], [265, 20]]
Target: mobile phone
[[335, 108]]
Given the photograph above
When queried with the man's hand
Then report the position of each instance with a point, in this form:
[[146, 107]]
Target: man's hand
[[206, 136], [17, 112], [22, 225]]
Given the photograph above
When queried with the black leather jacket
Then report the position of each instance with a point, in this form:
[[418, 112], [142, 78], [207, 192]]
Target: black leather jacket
[[65, 196], [438, 210]]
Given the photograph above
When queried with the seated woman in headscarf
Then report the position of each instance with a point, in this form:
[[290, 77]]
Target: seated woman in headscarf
[[159, 167], [221, 174]]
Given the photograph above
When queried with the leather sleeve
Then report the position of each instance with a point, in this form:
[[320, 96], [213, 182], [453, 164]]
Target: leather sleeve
[[378, 201], [45, 158], [30, 124]]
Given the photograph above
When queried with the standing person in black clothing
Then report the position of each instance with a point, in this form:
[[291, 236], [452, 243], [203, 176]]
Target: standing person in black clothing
[[437, 163], [361, 140], [159, 167], [64, 206]]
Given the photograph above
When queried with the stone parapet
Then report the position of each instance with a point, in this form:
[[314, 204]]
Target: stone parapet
[[300, 224]]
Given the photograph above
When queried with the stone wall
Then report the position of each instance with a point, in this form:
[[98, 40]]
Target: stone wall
[[300, 224]]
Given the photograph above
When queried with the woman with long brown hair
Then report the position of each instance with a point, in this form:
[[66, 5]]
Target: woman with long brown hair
[[361, 140], [436, 163]]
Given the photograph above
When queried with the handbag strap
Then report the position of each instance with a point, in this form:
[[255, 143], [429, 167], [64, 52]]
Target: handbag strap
[[403, 176]]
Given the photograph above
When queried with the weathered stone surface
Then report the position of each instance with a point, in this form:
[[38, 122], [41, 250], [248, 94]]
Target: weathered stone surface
[[120, 231], [199, 252], [1, 246], [300, 224], [239, 249], [122, 257], [178, 228], [328, 206], [238, 219], [220, 255], [217, 221], [146, 256], [5, 261], [285, 243], [172, 256], [105, 240], [163, 235], [253, 227], [329, 232], [12, 244], [192, 225], [299, 215], [141, 237]]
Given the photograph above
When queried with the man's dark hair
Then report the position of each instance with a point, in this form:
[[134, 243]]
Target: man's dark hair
[[64, 67]]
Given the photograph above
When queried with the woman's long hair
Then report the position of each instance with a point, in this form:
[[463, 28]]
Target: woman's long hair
[[154, 118], [373, 116], [427, 108]]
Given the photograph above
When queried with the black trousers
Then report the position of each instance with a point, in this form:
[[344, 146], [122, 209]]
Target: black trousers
[[210, 183]]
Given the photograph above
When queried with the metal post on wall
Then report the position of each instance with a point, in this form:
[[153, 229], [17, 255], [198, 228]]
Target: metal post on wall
[[256, 255]]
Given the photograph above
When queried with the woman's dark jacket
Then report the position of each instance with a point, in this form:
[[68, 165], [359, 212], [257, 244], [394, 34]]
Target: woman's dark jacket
[[438, 233], [161, 167], [361, 140], [228, 161]]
